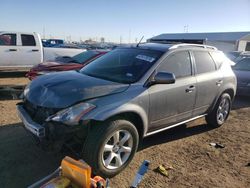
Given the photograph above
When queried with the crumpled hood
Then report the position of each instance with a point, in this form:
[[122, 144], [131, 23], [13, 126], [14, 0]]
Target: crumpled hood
[[63, 89]]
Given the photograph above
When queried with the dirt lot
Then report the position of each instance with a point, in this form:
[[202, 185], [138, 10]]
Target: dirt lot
[[186, 148], [13, 78], [13, 81]]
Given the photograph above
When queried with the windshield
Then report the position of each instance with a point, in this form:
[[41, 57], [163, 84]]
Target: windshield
[[243, 65], [122, 65], [84, 56]]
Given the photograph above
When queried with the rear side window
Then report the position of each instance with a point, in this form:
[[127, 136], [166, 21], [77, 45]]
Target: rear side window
[[178, 63], [28, 40], [204, 62], [219, 58], [8, 40]]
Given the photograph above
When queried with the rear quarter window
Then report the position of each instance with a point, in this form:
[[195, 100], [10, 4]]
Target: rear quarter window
[[28, 40], [204, 62], [220, 58]]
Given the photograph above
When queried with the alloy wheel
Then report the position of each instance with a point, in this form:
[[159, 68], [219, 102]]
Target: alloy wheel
[[223, 110], [117, 149]]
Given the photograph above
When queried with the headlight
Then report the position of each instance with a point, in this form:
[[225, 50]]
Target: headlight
[[41, 72], [45, 72], [72, 115], [26, 90]]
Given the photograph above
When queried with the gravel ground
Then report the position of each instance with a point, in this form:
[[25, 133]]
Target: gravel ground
[[195, 163]]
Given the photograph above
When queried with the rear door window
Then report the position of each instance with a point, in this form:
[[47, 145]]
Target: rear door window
[[204, 62], [8, 40], [178, 63], [28, 40]]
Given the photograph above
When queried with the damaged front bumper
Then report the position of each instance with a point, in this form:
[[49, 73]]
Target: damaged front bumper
[[51, 135], [29, 124]]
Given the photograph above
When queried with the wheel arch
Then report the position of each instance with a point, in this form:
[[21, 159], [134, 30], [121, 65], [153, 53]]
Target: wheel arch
[[230, 91], [134, 118], [133, 113]]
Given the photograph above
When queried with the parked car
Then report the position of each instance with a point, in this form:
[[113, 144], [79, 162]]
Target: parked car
[[64, 63], [235, 56], [127, 94], [242, 72], [20, 49], [52, 42], [68, 46]]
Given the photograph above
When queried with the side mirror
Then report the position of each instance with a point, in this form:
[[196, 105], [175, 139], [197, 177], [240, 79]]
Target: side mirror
[[163, 78]]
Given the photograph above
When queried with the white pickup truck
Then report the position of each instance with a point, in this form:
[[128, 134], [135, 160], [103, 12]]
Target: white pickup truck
[[21, 49]]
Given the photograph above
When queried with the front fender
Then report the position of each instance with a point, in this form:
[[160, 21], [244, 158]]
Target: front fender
[[126, 108]]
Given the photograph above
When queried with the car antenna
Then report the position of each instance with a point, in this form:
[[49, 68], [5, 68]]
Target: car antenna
[[139, 41]]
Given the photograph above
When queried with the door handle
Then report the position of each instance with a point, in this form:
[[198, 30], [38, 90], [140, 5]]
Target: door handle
[[190, 89], [12, 50], [219, 82], [35, 50]]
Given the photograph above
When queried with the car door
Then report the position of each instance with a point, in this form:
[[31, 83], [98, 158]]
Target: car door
[[209, 80], [173, 103], [31, 51], [8, 49]]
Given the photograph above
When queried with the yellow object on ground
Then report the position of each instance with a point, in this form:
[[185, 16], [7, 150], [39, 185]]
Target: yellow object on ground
[[162, 170], [78, 172], [71, 174]]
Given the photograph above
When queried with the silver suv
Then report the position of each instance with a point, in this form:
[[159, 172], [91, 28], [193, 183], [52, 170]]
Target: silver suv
[[106, 108]]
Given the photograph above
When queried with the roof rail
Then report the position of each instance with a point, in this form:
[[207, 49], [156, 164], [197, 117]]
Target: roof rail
[[195, 45]]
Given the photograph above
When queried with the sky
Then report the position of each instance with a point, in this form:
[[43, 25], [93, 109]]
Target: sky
[[125, 20]]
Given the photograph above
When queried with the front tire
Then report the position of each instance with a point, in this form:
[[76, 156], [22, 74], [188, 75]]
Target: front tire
[[220, 113], [110, 147]]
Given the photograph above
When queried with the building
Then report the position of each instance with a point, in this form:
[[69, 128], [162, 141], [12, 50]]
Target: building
[[225, 41]]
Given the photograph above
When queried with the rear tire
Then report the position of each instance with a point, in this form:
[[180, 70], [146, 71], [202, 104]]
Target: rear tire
[[110, 147], [220, 112]]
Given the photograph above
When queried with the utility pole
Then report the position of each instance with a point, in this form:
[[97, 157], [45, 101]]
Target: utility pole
[[43, 32], [185, 28], [120, 39], [129, 36]]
